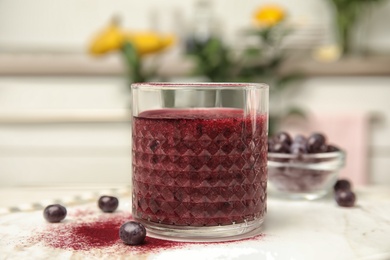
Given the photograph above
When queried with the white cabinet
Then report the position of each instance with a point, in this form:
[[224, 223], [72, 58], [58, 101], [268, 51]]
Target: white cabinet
[[64, 130]]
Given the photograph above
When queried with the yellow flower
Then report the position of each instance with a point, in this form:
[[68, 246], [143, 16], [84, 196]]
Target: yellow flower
[[269, 15], [149, 42], [110, 39], [113, 37]]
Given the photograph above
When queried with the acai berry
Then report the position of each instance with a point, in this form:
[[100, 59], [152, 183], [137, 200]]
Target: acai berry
[[132, 233], [54, 213], [108, 203]]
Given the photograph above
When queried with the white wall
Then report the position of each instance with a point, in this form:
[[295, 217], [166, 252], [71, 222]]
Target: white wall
[[64, 152], [67, 25]]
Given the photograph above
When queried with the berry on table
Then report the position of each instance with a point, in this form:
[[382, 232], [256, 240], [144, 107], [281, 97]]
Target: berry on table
[[108, 203], [342, 184], [132, 233], [54, 213], [345, 198]]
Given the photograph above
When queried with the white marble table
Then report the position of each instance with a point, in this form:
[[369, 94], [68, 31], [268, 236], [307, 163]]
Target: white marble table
[[292, 230]]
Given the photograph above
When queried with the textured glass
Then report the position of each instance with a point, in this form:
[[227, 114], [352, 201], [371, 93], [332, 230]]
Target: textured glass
[[199, 166]]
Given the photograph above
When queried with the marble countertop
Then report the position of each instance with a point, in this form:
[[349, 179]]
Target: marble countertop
[[292, 229]]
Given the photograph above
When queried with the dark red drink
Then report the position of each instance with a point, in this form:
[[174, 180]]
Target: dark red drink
[[199, 167]]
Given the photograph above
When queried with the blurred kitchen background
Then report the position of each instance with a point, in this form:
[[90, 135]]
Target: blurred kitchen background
[[66, 67]]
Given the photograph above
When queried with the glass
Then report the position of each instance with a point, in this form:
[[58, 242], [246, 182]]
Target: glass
[[199, 159], [307, 176]]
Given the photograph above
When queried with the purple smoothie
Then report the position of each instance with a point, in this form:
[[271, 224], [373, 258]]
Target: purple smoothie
[[199, 167]]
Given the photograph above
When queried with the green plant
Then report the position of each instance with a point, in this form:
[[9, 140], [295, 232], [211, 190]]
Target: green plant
[[347, 14], [213, 59], [133, 47], [260, 62]]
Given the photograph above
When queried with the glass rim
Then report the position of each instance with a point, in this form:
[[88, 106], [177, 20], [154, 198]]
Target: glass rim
[[202, 85], [336, 154]]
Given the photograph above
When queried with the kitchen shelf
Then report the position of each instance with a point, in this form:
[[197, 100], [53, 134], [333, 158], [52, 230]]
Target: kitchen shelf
[[66, 116], [78, 64]]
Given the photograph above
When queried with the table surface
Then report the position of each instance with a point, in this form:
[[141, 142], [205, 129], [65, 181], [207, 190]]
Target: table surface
[[292, 229]]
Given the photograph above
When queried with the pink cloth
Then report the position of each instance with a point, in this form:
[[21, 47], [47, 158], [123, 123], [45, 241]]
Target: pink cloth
[[348, 130]]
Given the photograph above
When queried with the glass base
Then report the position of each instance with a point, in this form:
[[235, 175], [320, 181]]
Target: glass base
[[203, 234], [313, 195]]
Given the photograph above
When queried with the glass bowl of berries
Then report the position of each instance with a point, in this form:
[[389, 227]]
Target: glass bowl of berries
[[303, 168]]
